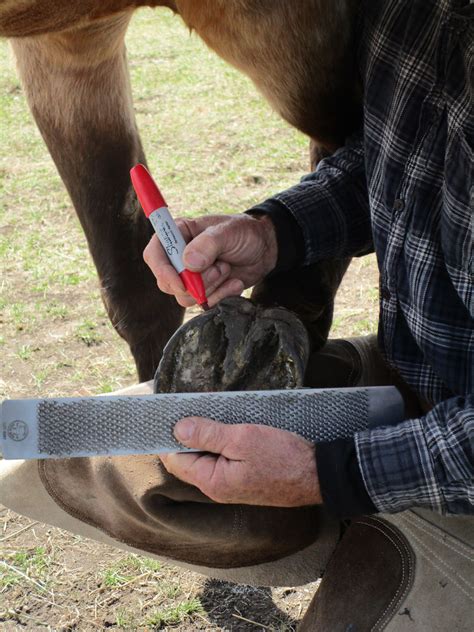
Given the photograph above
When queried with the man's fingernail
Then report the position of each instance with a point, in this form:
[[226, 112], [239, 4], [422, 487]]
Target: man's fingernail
[[183, 431], [195, 260]]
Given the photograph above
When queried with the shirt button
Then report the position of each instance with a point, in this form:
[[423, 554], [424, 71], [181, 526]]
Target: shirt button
[[385, 294], [398, 205]]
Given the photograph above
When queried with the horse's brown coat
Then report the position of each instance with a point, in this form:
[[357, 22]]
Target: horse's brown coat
[[71, 58]]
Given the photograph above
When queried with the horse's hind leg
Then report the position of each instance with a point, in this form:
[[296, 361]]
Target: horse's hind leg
[[78, 89]]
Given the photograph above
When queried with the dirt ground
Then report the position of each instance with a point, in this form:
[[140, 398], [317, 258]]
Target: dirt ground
[[72, 584], [55, 338]]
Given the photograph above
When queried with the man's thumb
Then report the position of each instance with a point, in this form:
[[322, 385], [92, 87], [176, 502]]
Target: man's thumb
[[202, 434], [205, 248], [194, 260]]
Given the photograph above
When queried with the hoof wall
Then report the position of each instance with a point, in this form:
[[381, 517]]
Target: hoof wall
[[235, 346]]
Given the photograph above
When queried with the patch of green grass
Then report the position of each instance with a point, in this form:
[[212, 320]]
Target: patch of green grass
[[125, 620], [364, 327], [87, 333], [106, 387], [170, 590], [175, 614], [68, 278], [373, 294], [34, 564], [39, 377], [128, 568], [5, 246], [57, 310], [143, 564], [21, 315], [24, 352], [113, 578]]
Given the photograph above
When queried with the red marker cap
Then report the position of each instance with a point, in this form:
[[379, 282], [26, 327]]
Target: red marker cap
[[147, 191]]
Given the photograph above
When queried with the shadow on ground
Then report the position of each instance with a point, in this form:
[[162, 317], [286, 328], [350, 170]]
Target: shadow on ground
[[243, 608]]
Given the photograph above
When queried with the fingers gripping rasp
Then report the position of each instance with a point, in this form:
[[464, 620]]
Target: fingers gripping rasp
[[94, 426]]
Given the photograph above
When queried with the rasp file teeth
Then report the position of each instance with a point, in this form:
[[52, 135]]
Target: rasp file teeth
[[139, 424], [94, 426]]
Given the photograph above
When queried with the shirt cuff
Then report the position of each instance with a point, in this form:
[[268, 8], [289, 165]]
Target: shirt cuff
[[397, 467], [340, 479], [290, 240]]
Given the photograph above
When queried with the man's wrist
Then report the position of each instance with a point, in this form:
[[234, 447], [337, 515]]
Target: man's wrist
[[270, 255], [290, 246]]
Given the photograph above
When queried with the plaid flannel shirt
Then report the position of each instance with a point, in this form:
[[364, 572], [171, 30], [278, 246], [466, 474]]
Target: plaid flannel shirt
[[403, 187]]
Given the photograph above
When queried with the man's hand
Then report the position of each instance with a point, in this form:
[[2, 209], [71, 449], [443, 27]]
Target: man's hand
[[249, 464], [232, 252]]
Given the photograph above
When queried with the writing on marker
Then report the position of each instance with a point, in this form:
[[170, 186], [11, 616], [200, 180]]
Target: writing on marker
[[168, 236]]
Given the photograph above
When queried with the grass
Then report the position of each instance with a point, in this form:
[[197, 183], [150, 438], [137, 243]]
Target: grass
[[87, 333], [24, 352], [24, 566], [39, 377], [214, 146], [124, 620], [127, 568], [113, 578], [57, 310], [174, 615]]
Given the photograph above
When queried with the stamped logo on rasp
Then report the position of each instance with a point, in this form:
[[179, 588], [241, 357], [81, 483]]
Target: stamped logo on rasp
[[17, 430]]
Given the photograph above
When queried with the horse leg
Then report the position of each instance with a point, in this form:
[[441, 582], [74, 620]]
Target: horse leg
[[78, 89], [309, 292]]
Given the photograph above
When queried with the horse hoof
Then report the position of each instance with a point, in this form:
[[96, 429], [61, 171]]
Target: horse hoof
[[235, 346]]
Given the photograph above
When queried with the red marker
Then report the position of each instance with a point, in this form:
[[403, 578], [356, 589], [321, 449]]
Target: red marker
[[168, 233]]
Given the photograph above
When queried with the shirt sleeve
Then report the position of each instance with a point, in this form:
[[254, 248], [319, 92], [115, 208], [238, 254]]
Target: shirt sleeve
[[340, 479], [426, 462], [330, 206]]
